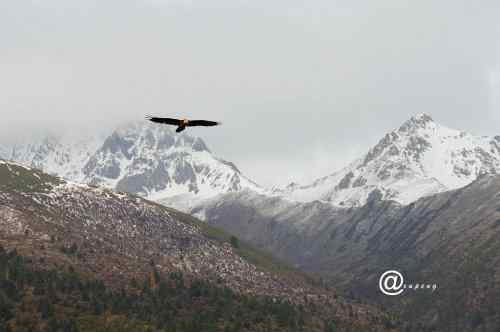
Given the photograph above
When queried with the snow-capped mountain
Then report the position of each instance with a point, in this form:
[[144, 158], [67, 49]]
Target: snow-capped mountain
[[140, 158], [418, 159]]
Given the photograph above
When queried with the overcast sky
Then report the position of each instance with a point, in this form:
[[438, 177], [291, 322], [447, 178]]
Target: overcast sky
[[302, 87]]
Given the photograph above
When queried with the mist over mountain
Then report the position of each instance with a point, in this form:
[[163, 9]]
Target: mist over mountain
[[418, 159], [422, 200], [140, 158], [428, 208], [352, 144]]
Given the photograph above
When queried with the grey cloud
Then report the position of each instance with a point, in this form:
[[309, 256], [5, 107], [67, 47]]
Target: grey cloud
[[301, 87]]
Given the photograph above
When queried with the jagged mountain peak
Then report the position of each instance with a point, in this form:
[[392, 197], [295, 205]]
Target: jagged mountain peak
[[411, 139], [159, 136], [418, 121], [139, 157], [419, 158]]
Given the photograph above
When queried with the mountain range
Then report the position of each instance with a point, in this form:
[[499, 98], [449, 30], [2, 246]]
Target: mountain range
[[140, 158], [418, 159], [429, 210]]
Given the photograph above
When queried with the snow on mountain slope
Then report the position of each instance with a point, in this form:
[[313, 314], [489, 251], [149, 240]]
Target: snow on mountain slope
[[140, 158], [418, 159], [57, 155], [154, 162], [3, 152]]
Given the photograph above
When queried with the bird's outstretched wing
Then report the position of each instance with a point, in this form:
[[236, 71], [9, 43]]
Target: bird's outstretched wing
[[205, 123], [170, 121]]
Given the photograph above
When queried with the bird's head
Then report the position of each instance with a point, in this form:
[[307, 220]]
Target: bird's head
[[185, 122]]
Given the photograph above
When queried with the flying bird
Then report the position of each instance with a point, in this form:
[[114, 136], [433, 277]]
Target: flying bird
[[182, 123]]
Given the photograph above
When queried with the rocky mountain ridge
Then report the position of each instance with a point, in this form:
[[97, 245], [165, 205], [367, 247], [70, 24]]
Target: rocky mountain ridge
[[140, 158], [418, 159]]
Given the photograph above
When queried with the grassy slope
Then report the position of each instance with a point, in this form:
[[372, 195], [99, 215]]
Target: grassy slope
[[18, 178]]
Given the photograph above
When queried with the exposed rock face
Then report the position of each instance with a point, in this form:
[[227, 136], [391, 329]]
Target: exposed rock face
[[418, 159], [145, 159]]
